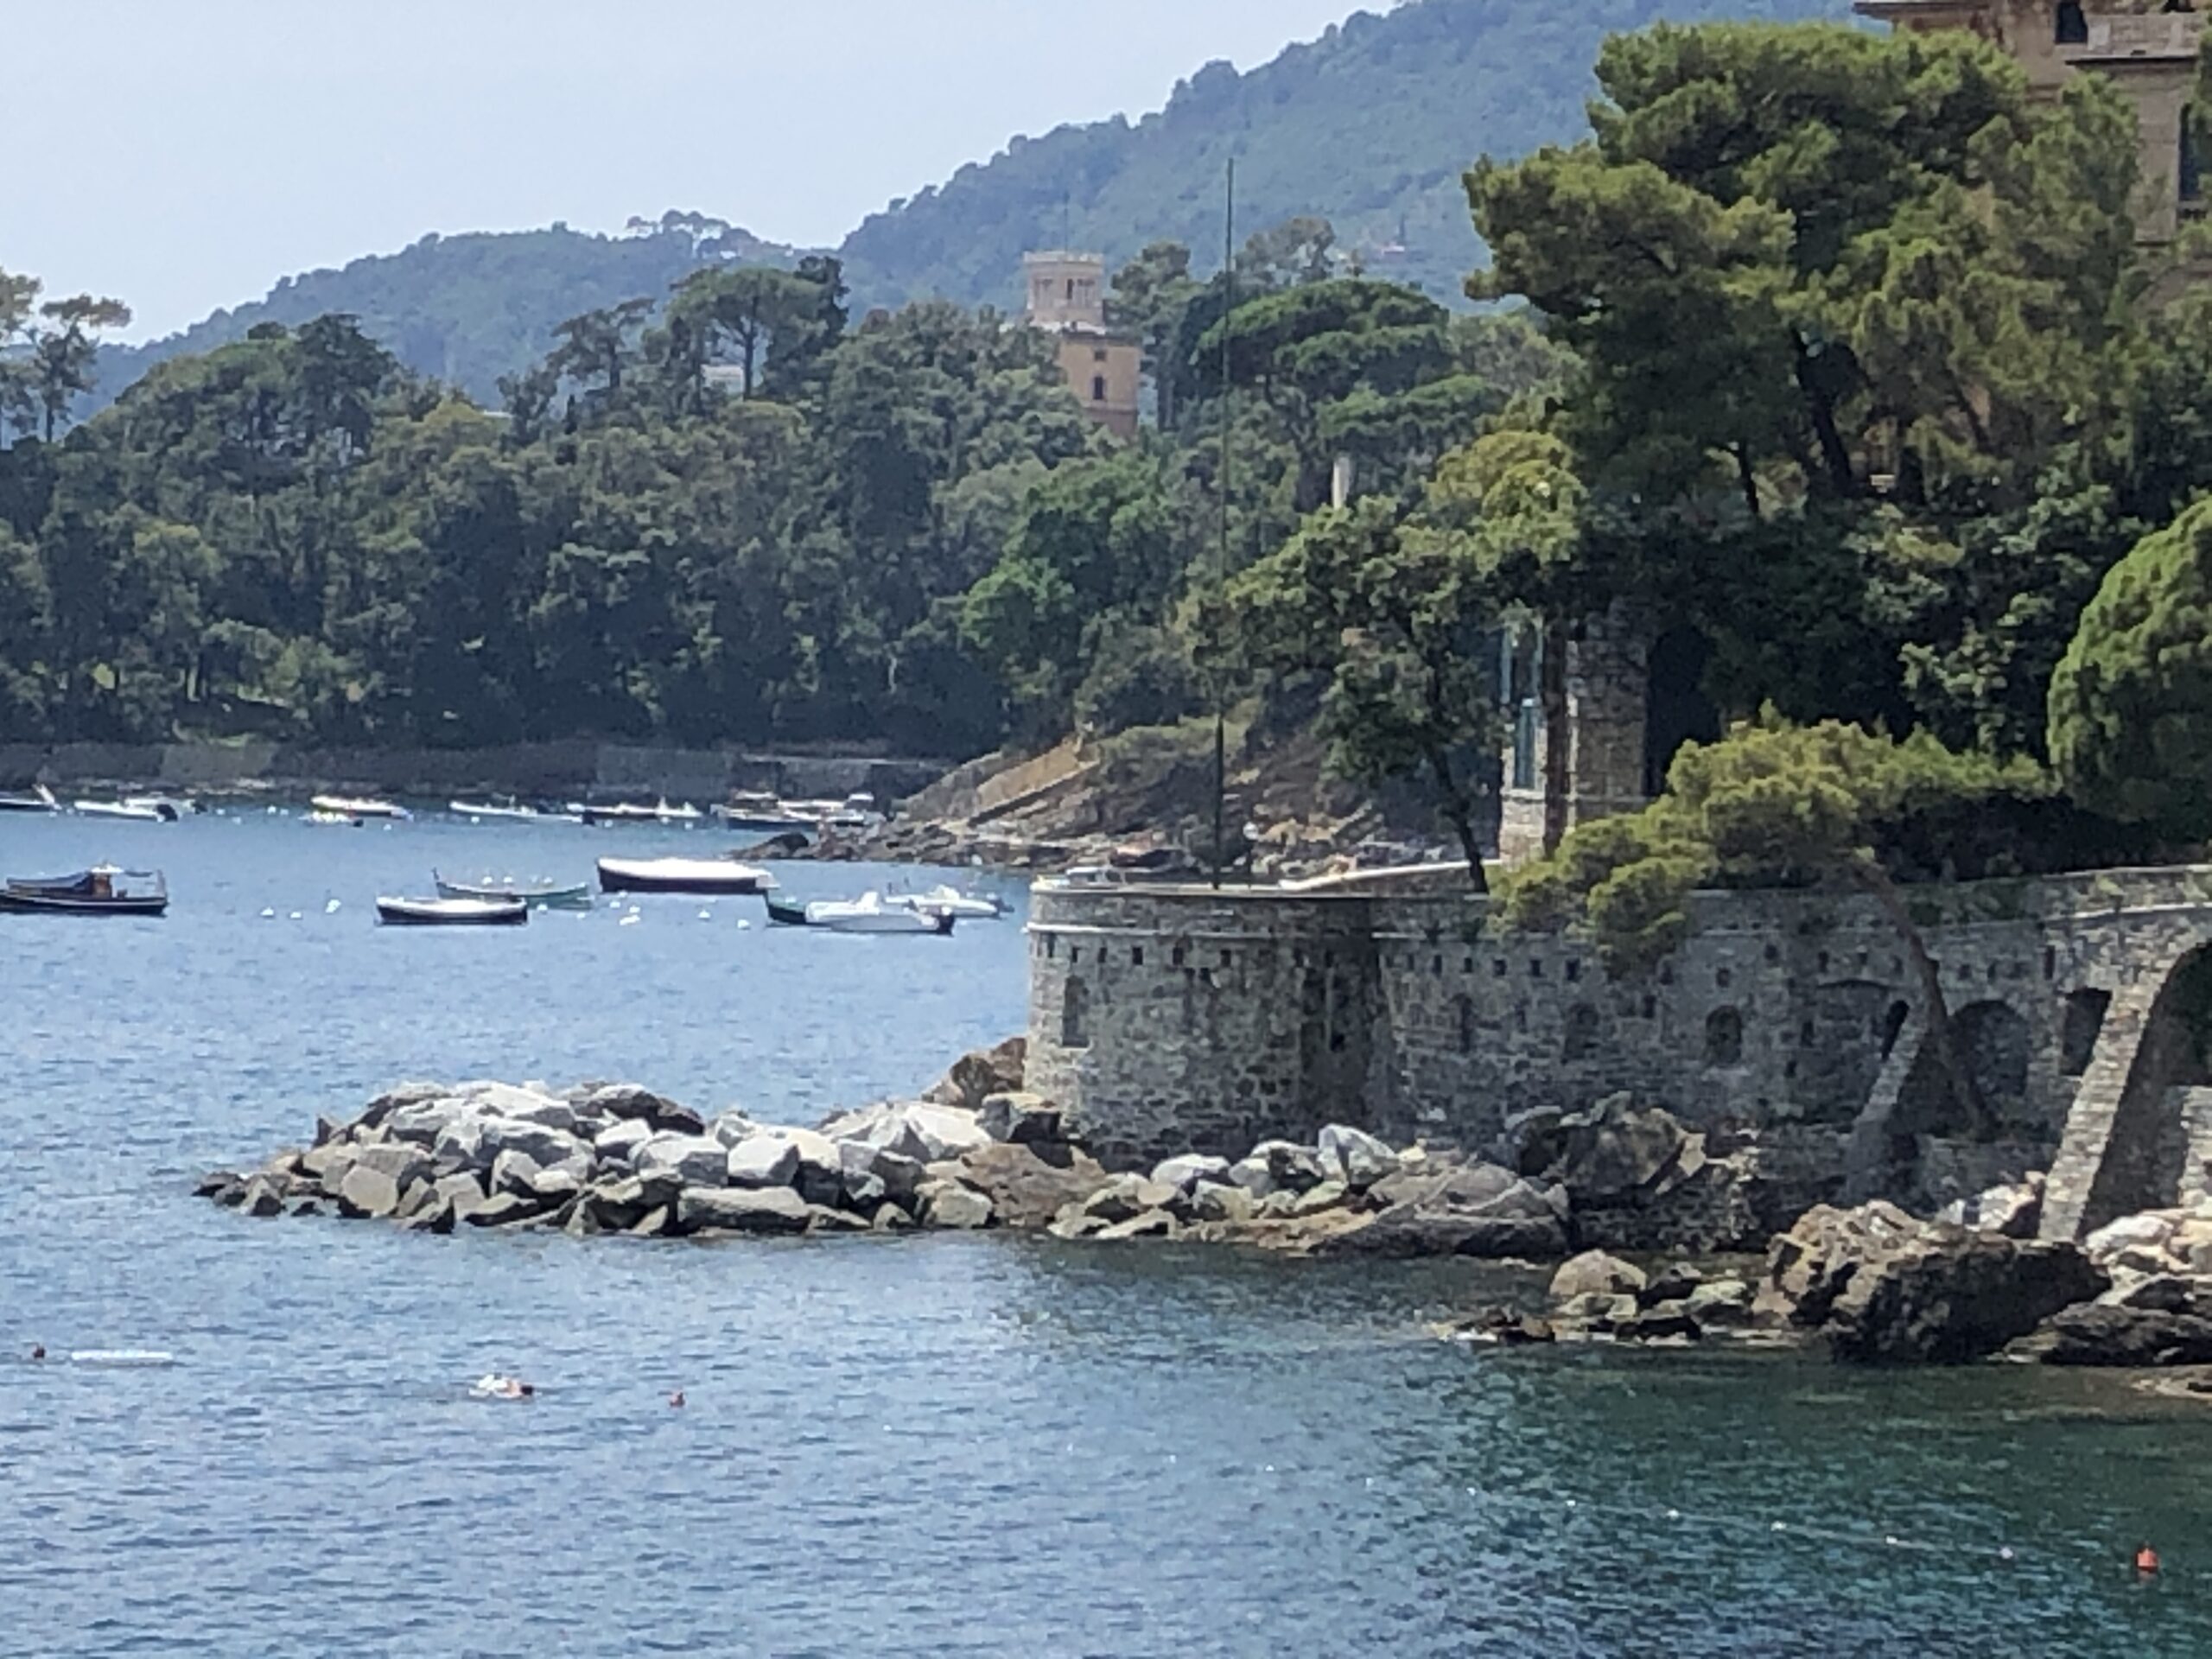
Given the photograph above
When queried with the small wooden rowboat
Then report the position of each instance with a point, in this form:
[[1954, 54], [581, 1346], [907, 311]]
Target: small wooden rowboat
[[544, 895], [452, 913]]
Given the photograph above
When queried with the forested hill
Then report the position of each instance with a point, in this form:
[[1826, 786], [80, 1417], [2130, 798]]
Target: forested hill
[[466, 309], [1370, 127]]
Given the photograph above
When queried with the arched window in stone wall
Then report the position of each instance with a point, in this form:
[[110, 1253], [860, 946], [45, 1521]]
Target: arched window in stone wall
[[1582, 1028], [2078, 1029], [1724, 1038], [2070, 24], [1074, 1014], [1893, 1026]]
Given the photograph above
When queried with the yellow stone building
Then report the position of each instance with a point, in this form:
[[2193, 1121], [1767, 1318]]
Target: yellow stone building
[[1067, 298], [2146, 48]]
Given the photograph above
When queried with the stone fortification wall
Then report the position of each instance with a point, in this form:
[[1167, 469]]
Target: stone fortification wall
[[1169, 1018]]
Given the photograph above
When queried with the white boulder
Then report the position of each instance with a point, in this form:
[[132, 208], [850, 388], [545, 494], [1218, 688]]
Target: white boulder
[[762, 1160], [694, 1160], [1355, 1157]]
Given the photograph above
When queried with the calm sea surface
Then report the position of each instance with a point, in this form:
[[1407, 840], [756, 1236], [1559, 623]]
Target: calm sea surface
[[931, 1444]]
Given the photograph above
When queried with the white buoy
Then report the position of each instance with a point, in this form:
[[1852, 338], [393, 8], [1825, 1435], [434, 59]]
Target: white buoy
[[330, 907], [706, 915], [744, 926], [268, 915], [295, 915], [631, 920]]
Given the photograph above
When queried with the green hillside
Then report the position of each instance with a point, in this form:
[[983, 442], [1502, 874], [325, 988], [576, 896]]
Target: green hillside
[[470, 308], [1371, 127]]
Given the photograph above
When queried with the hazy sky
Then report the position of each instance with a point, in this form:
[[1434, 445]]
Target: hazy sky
[[181, 154]]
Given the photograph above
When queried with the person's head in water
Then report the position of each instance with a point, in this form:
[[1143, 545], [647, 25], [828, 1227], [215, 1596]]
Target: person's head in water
[[525, 1389], [38, 1351]]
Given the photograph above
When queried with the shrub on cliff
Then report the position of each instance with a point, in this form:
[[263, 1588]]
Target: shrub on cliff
[[2131, 704]]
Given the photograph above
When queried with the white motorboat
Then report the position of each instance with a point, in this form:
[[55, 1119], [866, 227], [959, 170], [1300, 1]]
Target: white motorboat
[[356, 807], [170, 807], [856, 815], [967, 906], [631, 812], [512, 812], [132, 811], [868, 913], [321, 819], [710, 876], [40, 800]]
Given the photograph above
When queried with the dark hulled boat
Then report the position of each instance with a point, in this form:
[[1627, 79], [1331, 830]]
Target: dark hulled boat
[[104, 891]]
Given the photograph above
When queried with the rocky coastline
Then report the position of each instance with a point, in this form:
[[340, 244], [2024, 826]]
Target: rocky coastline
[[1587, 1191]]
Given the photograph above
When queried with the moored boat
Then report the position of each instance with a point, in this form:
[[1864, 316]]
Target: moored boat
[[324, 819], [358, 807], [137, 811], [39, 798], [103, 890], [763, 815], [631, 812], [695, 875], [868, 913], [538, 895], [452, 913], [968, 906], [511, 812]]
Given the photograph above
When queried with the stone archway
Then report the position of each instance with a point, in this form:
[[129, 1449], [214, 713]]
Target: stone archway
[[2158, 1147], [1932, 1148]]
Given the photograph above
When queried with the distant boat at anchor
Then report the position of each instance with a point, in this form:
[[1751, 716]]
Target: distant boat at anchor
[[38, 798], [705, 876], [542, 895], [868, 913], [104, 890], [509, 812], [357, 807], [631, 812], [452, 913]]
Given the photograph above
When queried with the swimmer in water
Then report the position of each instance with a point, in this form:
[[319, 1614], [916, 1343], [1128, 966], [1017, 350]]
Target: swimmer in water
[[38, 1351], [496, 1387], [676, 1398]]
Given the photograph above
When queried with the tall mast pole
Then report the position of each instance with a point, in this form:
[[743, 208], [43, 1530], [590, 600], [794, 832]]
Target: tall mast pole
[[1221, 573]]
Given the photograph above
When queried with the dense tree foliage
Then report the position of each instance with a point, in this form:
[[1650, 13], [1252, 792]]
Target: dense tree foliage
[[2131, 706], [729, 515]]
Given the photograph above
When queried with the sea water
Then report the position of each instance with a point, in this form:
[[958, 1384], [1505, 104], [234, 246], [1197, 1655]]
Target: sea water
[[961, 1444]]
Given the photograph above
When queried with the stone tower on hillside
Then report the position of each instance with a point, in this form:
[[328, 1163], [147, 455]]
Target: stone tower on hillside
[[1067, 299], [2148, 49]]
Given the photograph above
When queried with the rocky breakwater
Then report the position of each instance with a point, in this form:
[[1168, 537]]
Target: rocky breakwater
[[976, 1152]]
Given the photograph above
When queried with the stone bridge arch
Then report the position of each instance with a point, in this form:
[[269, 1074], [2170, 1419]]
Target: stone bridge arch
[[2140, 1133], [1918, 1141]]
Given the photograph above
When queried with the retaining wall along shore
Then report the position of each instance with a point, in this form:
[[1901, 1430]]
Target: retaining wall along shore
[[1173, 1018]]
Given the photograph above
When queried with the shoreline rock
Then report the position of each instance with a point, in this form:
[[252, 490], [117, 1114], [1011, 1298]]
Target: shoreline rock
[[1874, 1283]]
